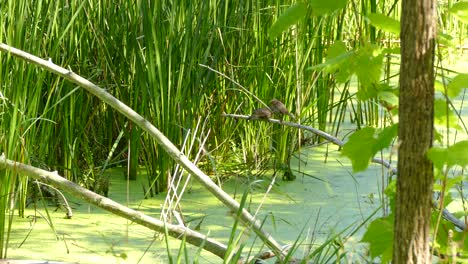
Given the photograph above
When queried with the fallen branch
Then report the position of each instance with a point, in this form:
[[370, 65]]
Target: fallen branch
[[318, 132], [177, 231], [447, 215], [245, 217]]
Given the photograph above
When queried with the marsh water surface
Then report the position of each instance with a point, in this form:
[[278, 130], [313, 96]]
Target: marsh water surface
[[313, 208]]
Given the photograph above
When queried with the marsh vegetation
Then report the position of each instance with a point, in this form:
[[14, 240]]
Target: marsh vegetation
[[148, 103]]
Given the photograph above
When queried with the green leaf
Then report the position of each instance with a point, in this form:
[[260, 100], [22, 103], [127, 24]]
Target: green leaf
[[448, 184], [336, 49], [389, 97], [438, 156], [438, 177], [390, 192], [369, 64], [359, 148], [448, 196], [334, 63], [457, 154], [336, 55], [439, 86], [460, 11], [395, 50], [441, 115], [385, 138], [365, 62], [379, 235], [290, 17], [460, 237], [365, 143], [385, 23], [441, 244], [323, 7], [438, 137], [452, 182], [446, 39], [457, 84], [338, 61], [368, 67], [346, 69]]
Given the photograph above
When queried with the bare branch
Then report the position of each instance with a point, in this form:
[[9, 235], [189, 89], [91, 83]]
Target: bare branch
[[164, 142]]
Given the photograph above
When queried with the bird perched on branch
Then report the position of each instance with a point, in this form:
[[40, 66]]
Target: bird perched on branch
[[278, 108], [261, 113]]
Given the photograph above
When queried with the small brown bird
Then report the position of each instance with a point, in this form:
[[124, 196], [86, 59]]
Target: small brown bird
[[261, 113], [278, 108]]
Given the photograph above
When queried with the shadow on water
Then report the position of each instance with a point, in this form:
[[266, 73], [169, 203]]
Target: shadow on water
[[324, 207]]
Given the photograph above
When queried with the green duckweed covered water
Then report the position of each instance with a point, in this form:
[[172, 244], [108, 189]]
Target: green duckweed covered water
[[307, 207]]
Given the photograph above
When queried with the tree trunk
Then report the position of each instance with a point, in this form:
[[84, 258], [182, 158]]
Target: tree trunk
[[416, 114]]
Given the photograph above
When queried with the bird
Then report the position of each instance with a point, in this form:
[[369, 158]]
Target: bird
[[261, 113], [278, 108]]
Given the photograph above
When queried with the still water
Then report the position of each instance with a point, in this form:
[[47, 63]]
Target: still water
[[312, 208]]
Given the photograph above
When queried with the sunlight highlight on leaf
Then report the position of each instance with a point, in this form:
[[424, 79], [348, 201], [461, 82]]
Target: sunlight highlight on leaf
[[460, 11], [457, 84], [385, 23]]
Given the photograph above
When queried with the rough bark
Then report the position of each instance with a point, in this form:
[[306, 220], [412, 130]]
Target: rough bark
[[416, 114]]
